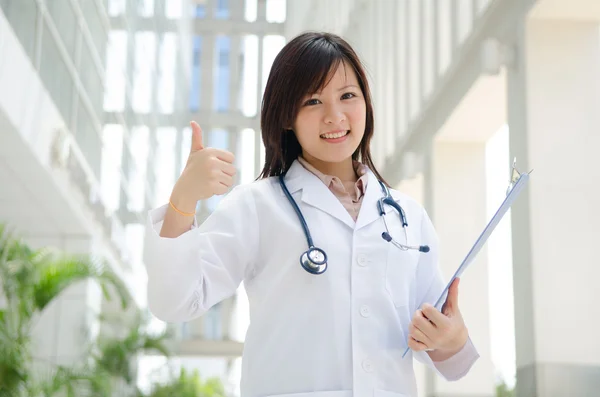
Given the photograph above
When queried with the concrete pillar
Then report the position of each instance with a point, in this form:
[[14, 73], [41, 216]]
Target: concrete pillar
[[458, 210], [62, 333], [554, 122]]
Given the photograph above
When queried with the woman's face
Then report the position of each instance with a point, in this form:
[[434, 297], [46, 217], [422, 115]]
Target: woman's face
[[330, 124]]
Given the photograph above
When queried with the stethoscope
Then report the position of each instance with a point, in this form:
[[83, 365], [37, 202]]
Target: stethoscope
[[314, 260]]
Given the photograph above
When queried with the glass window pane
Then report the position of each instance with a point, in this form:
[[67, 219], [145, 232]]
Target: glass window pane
[[145, 8], [145, 58], [96, 25], [166, 78], [90, 78], [22, 15], [116, 7], [164, 164], [217, 138], [88, 139], [196, 80], [444, 35], [200, 11], [414, 62], [56, 76], [249, 68], [64, 19], [213, 323], [250, 10], [139, 148], [186, 143], [110, 181], [115, 76], [222, 11], [221, 93], [276, 10], [173, 9]]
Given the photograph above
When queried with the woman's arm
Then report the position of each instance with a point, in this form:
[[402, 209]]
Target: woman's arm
[[190, 273]]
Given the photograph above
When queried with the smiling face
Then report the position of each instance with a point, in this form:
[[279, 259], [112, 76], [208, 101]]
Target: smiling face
[[331, 123]]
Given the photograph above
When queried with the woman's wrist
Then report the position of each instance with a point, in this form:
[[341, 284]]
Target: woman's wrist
[[182, 202]]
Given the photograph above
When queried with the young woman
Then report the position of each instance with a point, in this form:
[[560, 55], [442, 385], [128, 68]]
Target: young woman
[[338, 289]]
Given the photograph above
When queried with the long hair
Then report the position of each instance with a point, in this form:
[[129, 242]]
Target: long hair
[[305, 65]]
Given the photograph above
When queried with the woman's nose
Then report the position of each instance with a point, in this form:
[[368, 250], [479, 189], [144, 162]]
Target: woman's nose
[[334, 115]]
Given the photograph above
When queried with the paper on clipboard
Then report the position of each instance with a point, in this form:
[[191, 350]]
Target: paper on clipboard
[[517, 186]]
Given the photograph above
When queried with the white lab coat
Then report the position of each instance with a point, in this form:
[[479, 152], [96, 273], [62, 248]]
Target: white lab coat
[[338, 334]]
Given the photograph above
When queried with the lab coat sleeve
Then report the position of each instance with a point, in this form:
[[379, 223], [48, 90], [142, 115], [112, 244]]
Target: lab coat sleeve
[[189, 274], [430, 284]]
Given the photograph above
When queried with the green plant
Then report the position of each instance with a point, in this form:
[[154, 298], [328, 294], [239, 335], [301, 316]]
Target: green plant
[[189, 385], [114, 355], [502, 390], [29, 281]]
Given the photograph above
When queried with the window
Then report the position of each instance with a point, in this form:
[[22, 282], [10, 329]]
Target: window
[[200, 11], [137, 174], [115, 77], [145, 57], [222, 78], [55, 75], [213, 323], [196, 80], [222, 11], [165, 96], [110, 179]]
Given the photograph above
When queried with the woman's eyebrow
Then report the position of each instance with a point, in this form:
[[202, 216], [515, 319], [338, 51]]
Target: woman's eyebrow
[[348, 86]]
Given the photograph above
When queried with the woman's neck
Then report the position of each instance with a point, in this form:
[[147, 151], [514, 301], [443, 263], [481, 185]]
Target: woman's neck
[[344, 170]]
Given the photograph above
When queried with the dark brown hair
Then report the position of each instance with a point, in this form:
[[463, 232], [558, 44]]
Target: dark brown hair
[[305, 65]]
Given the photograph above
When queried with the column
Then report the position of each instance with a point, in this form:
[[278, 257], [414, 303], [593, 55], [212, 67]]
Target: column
[[554, 121], [456, 202]]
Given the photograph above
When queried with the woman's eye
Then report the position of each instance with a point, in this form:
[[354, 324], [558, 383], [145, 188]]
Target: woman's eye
[[311, 102], [348, 95]]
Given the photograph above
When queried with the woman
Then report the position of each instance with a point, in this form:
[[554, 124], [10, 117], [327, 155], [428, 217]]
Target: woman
[[337, 323]]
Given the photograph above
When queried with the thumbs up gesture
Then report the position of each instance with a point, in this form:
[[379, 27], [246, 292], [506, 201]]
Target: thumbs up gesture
[[443, 333], [208, 172]]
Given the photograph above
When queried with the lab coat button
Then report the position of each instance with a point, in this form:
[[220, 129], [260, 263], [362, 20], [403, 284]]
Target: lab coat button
[[362, 260], [365, 311], [367, 366]]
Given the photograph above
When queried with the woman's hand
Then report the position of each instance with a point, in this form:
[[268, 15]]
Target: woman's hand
[[208, 172], [441, 334]]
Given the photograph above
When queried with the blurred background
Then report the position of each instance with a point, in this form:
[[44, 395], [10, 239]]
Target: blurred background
[[96, 97]]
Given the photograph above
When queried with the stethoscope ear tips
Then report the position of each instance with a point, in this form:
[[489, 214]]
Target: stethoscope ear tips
[[424, 248], [386, 236]]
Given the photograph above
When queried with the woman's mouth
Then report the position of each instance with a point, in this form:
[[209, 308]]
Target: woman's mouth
[[334, 137]]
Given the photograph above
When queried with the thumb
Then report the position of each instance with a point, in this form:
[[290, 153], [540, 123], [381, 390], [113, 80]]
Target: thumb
[[451, 305], [196, 137]]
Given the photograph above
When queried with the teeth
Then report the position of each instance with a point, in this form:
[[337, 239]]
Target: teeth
[[334, 135]]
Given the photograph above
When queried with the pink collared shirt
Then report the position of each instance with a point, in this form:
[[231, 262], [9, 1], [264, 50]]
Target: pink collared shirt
[[350, 195]]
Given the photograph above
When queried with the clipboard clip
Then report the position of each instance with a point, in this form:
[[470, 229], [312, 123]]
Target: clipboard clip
[[515, 175]]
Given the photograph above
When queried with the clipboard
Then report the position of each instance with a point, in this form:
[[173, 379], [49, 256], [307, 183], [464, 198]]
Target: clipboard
[[517, 183]]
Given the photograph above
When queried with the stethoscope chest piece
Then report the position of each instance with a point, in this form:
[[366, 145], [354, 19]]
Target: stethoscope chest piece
[[314, 260]]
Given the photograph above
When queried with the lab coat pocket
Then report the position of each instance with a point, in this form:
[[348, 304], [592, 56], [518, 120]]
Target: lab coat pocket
[[332, 393], [400, 275]]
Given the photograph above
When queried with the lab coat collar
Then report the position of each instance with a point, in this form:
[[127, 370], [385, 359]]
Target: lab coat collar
[[316, 194]]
